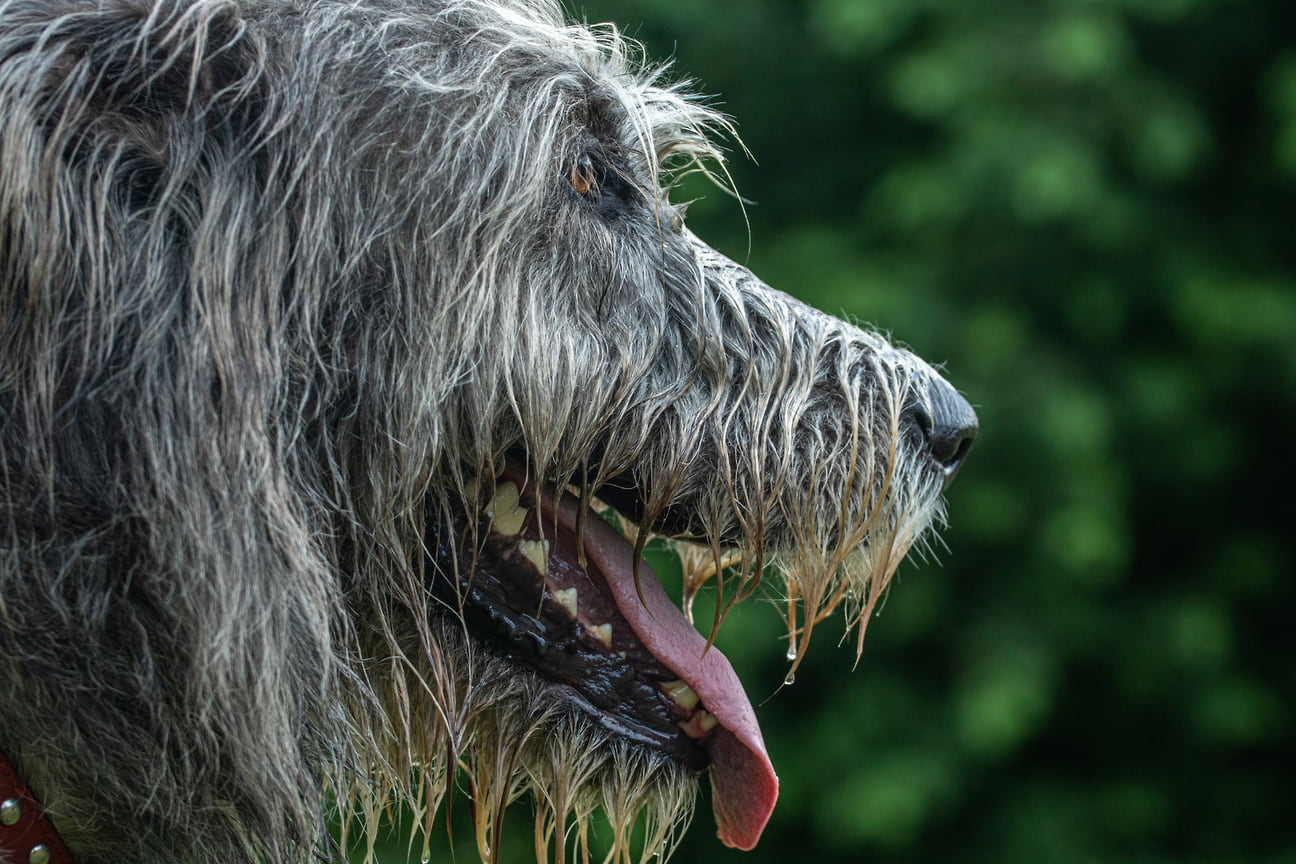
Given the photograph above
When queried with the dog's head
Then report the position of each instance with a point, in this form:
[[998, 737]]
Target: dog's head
[[336, 335]]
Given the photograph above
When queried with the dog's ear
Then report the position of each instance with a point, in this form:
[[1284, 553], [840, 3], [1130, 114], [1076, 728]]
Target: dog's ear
[[130, 142], [145, 64], [130, 99]]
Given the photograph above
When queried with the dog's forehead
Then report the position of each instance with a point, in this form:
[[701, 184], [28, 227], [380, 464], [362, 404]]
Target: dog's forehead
[[530, 42], [588, 75]]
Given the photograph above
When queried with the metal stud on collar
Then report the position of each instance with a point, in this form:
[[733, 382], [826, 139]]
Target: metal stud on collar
[[10, 812], [26, 834]]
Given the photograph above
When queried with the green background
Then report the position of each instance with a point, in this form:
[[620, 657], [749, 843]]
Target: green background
[[1084, 210]]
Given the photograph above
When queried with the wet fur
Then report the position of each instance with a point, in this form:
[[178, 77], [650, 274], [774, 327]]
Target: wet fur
[[276, 282]]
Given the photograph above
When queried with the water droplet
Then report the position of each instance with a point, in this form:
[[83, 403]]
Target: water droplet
[[790, 679], [791, 652]]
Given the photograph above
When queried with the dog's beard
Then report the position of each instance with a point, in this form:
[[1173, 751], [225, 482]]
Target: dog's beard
[[573, 678], [508, 733]]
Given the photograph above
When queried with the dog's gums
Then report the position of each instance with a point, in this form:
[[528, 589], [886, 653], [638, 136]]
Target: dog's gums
[[527, 593]]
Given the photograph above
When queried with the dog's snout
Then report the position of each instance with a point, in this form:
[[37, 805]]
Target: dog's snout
[[947, 423]]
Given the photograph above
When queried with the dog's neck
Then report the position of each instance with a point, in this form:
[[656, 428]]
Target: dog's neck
[[26, 833]]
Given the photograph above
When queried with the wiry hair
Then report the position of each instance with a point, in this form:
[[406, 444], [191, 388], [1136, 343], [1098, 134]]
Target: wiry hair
[[280, 283]]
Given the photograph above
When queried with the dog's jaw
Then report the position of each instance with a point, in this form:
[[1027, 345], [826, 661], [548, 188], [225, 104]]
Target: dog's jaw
[[668, 690]]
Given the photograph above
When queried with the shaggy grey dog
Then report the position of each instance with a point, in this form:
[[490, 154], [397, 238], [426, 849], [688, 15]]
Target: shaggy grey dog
[[328, 329]]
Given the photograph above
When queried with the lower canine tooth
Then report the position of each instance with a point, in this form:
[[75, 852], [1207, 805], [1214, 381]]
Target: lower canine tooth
[[706, 721], [681, 693], [567, 597], [537, 552], [503, 509], [603, 632]]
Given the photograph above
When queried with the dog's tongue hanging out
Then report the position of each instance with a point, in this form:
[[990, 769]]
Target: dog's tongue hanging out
[[743, 784]]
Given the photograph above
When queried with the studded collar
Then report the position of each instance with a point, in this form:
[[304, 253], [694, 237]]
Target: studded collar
[[26, 834]]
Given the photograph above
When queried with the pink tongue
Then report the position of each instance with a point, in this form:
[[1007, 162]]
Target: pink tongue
[[743, 784]]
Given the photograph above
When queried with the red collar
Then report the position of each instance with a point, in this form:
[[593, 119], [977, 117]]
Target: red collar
[[26, 834]]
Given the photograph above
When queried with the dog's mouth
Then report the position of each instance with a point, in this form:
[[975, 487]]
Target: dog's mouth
[[554, 587]]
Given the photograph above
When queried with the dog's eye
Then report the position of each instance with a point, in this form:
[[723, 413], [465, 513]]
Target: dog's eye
[[582, 176]]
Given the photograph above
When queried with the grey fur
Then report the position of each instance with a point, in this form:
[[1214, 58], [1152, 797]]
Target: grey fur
[[280, 279]]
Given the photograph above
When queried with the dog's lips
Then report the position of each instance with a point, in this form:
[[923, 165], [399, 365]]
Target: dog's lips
[[744, 785]]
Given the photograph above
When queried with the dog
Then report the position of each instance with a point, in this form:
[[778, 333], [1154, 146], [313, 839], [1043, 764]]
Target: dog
[[337, 338]]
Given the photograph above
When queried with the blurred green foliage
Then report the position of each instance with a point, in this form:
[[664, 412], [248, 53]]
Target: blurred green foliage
[[1084, 209]]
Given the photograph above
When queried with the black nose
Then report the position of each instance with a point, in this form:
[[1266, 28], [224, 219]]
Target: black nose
[[947, 423]]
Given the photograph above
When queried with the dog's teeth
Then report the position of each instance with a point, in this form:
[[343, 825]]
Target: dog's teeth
[[681, 693], [567, 597], [603, 632], [537, 552], [503, 509], [706, 722]]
